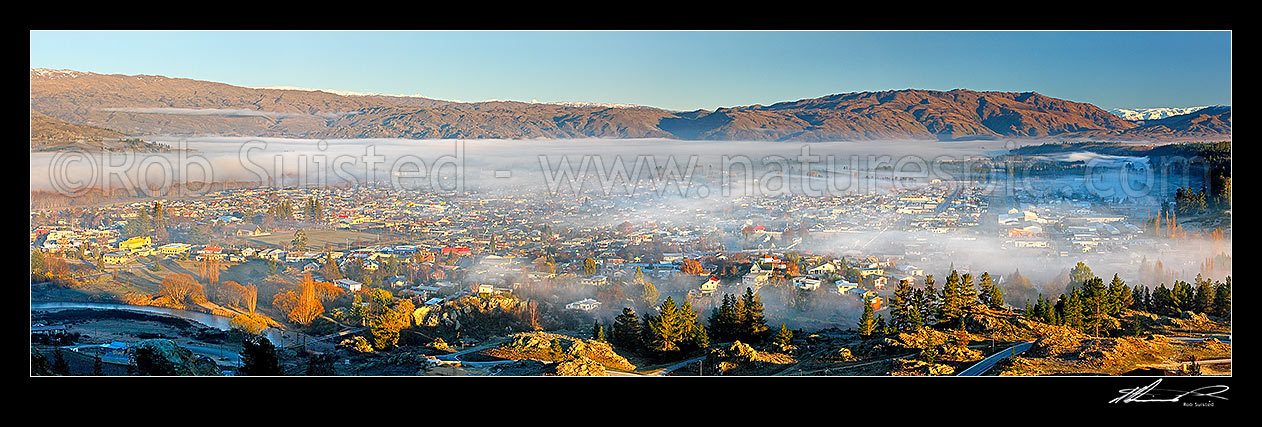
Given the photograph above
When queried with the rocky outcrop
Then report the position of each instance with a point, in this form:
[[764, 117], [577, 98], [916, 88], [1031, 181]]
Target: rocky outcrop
[[164, 357], [560, 348]]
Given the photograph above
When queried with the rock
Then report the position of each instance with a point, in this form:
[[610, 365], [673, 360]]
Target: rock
[[580, 367], [164, 357]]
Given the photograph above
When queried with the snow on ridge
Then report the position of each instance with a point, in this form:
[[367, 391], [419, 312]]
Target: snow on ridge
[[334, 91], [1153, 113]]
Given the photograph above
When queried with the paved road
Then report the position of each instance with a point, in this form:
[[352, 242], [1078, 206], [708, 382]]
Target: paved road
[[984, 366], [1225, 339]]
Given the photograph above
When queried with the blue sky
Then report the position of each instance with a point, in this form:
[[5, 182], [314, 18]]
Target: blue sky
[[675, 70]]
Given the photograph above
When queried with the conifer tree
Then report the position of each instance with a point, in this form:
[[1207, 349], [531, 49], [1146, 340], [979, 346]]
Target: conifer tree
[[986, 289], [753, 319], [929, 301], [784, 337], [902, 305], [1094, 305], [627, 330], [867, 322], [967, 294], [598, 332], [1222, 298], [951, 308]]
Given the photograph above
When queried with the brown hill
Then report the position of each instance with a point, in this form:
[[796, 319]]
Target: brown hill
[[153, 105]]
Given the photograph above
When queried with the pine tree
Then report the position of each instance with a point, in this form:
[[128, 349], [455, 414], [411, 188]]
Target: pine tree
[[1027, 313], [723, 320], [784, 337], [929, 301], [967, 294], [902, 305], [598, 332], [753, 319], [97, 369], [867, 322], [60, 367], [1204, 300], [1071, 313], [1095, 305], [258, 357], [627, 330], [986, 290], [951, 308], [1222, 298]]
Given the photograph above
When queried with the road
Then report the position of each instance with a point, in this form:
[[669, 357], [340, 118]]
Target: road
[[984, 366]]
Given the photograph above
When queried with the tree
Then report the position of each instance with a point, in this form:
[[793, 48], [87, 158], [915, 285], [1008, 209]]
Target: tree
[[902, 305], [867, 322], [967, 294], [725, 320], [691, 267], [320, 365], [1119, 296], [180, 288], [97, 369], [648, 293], [627, 330], [1095, 308], [60, 367], [1080, 274], [666, 330], [753, 320], [598, 332], [258, 357], [1071, 312], [952, 306], [1204, 299], [1222, 298], [694, 333], [784, 337], [929, 301], [299, 242], [308, 306], [589, 267]]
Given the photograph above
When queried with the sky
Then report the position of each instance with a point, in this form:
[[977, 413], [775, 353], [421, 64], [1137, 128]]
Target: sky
[[672, 70]]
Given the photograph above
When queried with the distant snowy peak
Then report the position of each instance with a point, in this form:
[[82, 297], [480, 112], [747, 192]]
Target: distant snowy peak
[[594, 104], [1137, 114], [333, 91]]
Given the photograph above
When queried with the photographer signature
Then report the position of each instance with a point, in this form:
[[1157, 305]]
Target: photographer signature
[[1151, 393]]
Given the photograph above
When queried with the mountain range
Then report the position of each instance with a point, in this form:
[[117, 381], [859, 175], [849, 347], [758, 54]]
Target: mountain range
[[144, 105], [1140, 114]]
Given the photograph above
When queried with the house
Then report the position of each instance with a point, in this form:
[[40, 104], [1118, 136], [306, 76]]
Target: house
[[117, 257], [806, 283], [756, 277], [135, 244], [584, 305], [710, 286], [486, 289], [844, 287], [879, 282], [210, 252], [396, 281], [825, 268], [348, 284], [310, 267], [599, 280], [873, 269], [172, 249]]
